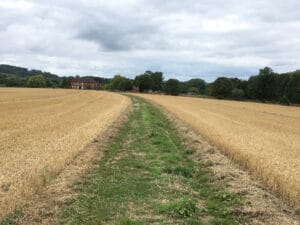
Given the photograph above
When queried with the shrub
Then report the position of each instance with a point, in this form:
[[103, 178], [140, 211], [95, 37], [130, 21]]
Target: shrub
[[182, 208], [193, 91], [237, 94], [284, 100], [180, 171], [36, 81]]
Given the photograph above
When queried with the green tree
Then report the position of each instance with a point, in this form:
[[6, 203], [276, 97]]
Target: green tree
[[183, 87], [284, 100], [66, 82], [15, 81], [197, 83], [252, 87], [106, 87], [208, 90], [263, 86], [172, 87], [157, 80], [193, 91], [266, 84], [120, 83], [237, 94], [144, 82], [293, 87], [51, 83], [222, 87], [282, 82], [240, 84], [266, 71], [36, 81]]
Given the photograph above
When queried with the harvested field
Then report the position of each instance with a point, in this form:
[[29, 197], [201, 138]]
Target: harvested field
[[42, 130], [264, 138]]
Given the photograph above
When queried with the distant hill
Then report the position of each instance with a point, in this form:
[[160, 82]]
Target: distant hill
[[24, 72], [15, 76]]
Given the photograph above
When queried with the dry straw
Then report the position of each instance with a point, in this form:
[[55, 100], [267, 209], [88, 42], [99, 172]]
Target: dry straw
[[262, 137], [41, 130]]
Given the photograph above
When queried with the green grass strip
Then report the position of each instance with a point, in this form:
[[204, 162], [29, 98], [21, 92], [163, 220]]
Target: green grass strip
[[147, 176]]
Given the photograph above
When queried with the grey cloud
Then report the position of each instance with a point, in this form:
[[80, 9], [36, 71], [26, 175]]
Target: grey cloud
[[181, 38], [119, 34]]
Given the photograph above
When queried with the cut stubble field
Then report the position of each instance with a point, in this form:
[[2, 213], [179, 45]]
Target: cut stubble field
[[42, 130], [264, 138]]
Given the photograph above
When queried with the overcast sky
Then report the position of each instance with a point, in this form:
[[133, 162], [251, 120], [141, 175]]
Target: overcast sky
[[183, 39]]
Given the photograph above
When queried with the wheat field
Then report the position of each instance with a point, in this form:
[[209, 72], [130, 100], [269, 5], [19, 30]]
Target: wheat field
[[41, 130], [264, 138]]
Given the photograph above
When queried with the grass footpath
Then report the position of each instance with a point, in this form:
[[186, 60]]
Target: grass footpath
[[147, 176]]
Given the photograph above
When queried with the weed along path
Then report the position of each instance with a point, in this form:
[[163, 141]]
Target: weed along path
[[147, 176]]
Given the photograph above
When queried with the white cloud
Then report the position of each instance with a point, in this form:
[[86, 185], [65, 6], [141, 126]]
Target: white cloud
[[182, 38], [20, 5]]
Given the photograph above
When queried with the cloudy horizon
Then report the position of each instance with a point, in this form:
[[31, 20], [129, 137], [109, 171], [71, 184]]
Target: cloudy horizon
[[184, 40]]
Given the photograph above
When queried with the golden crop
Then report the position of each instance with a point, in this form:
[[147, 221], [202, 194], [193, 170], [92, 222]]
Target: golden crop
[[263, 137], [41, 130]]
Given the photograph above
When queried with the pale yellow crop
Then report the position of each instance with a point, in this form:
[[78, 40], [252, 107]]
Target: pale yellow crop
[[41, 130], [265, 138]]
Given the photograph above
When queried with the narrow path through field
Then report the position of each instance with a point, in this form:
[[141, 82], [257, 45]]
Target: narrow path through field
[[155, 170], [147, 176]]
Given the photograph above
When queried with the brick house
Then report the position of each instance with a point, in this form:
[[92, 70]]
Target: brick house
[[84, 83]]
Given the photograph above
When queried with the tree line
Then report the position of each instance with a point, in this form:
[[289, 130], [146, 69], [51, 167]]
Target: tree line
[[14, 76], [267, 85]]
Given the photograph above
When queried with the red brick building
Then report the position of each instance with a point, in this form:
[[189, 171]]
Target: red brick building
[[84, 83]]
